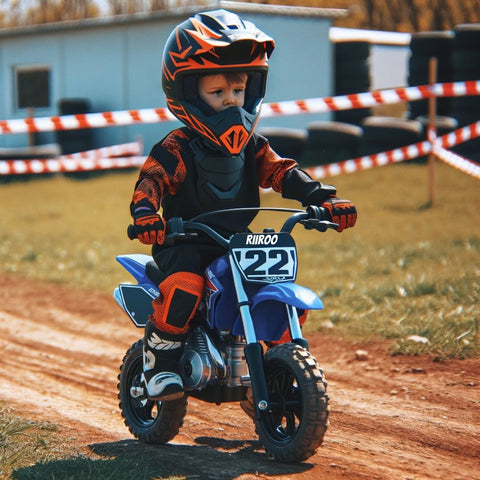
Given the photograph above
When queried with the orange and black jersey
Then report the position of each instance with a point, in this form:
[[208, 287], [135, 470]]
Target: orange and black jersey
[[169, 180]]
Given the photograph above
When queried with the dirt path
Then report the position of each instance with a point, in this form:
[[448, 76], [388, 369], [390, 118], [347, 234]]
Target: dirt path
[[402, 418]]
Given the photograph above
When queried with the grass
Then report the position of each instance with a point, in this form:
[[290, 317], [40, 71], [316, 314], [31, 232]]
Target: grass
[[32, 450], [21, 439], [403, 270]]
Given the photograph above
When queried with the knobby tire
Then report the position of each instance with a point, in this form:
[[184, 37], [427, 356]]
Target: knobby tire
[[295, 424], [148, 421]]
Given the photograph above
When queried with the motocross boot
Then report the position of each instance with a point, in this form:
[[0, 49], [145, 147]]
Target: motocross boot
[[160, 365]]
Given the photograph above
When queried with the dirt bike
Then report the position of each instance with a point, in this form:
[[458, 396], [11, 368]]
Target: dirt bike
[[250, 300]]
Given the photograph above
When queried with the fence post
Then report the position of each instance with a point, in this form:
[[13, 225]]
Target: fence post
[[432, 130]]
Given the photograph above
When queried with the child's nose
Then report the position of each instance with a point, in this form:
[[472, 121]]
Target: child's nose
[[230, 99]]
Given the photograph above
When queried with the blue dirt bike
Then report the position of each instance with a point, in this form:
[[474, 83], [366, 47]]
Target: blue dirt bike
[[250, 297]]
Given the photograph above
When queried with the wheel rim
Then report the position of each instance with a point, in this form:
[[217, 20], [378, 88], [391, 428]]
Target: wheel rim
[[284, 417], [141, 410]]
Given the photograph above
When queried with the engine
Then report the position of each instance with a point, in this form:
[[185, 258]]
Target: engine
[[201, 362]]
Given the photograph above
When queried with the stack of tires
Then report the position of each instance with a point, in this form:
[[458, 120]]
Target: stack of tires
[[381, 134], [352, 75], [423, 46], [74, 141], [466, 66], [287, 142], [329, 142]]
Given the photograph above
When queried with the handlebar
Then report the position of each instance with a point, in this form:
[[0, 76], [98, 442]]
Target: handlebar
[[312, 218]]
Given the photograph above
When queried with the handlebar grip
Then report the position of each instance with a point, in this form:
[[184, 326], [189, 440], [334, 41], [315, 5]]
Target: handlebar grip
[[319, 213], [132, 235]]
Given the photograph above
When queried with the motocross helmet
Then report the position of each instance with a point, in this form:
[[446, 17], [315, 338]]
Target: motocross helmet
[[211, 43]]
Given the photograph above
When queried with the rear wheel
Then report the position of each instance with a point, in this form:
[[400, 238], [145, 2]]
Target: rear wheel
[[149, 421], [295, 424]]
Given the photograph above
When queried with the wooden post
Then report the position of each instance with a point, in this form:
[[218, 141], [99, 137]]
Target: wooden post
[[432, 130], [31, 135]]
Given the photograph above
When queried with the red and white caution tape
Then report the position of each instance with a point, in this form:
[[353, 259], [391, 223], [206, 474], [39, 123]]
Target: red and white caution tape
[[115, 157], [370, 161], [57, 165], [457, 161], [370, 99], [294, 107], [461, 135], [406, 153], [126, 155], [85, 120]]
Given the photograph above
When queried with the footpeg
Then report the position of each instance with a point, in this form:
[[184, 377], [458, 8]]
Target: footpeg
[[137, 392]]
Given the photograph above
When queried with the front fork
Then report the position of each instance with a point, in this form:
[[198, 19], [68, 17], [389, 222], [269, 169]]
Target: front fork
[[253, 349]]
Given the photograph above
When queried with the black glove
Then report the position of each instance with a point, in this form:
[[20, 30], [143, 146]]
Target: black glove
[[150, 229], [298, 185], [342, 212]]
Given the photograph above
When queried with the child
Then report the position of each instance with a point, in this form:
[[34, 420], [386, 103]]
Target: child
[[214, 75]]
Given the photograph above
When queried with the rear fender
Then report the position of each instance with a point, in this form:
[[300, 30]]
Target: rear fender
[[135, 264]]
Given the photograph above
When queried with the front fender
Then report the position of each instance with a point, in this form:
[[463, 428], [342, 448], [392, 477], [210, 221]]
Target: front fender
[[269, 312], [290, 294]]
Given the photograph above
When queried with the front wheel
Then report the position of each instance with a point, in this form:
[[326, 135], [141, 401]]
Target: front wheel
[[149, 421], [294, 426]]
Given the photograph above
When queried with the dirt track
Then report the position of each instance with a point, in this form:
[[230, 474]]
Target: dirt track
[[406, 418]]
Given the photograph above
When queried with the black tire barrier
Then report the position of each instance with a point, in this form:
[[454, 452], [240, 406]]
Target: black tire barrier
[[423, 46], [287, 142], [351, 49], [467, 36], [443, 125], [329, 142], [381, 134], [354, 117], [466, 62], [352, 75], [432, 43], [348, 85], [74, 141]]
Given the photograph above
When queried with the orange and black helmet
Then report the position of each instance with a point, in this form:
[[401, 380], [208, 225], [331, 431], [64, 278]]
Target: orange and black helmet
[[209, 43]]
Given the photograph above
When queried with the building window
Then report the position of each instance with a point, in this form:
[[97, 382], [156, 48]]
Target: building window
[[32, 87]]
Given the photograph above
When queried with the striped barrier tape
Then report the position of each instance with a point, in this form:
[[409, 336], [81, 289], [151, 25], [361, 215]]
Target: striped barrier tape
[[405, 153], [293, 107], [457, 161], [125, 155], [370, 99], [98, 159], [57, 165]]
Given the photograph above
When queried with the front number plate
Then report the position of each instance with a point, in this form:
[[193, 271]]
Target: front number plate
[[265, 257]]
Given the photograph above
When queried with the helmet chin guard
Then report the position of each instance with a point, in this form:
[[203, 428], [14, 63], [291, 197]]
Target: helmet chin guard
[[210, 43], [227, 131]]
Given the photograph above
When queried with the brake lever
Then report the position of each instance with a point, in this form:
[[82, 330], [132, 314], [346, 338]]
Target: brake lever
[[175, 232], [320, 225]]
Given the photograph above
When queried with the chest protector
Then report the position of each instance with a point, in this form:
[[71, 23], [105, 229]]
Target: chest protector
[[218, 176], [215, 181]]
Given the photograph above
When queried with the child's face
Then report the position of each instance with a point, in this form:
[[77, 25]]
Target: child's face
[[219, 93]]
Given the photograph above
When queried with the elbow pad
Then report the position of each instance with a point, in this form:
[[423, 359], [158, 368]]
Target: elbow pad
[[298, 185]]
